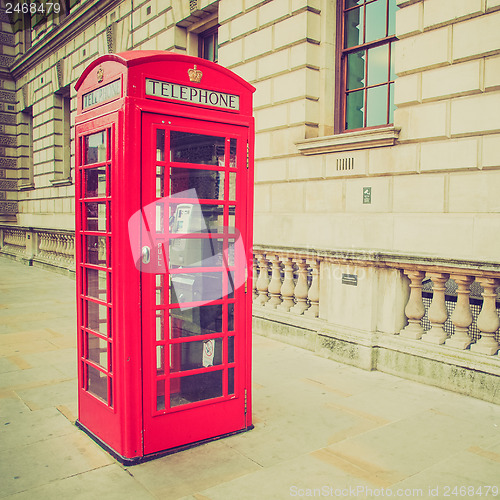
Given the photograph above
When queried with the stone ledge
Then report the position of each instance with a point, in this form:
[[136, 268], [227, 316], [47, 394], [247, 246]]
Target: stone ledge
[[349, 141], [381, 258]]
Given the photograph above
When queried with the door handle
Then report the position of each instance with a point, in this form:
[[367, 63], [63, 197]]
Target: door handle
[[146, 255]]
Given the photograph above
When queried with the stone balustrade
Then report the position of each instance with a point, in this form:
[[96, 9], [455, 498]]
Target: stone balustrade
[[289, 282], [459, 336], [14, 241], [45, 247]]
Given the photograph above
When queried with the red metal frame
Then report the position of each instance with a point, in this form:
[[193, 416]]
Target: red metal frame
[[128, 422]]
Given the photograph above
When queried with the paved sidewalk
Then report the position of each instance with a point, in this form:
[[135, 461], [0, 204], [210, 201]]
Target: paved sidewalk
[[322, 429]]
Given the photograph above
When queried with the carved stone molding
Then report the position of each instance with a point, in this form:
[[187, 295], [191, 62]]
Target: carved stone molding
[[349, 141]]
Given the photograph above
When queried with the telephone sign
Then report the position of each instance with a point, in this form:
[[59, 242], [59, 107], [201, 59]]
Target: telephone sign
[[164, 210]]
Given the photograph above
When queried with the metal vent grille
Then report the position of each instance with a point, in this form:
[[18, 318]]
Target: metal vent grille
[[110, 38], [345, 164]]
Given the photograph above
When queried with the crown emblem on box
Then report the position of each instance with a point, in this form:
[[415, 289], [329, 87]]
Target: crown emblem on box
[[195, 75], [100, 74]]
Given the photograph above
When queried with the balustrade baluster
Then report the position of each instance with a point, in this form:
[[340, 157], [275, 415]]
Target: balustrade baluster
[[42, 245], [65, 247], [301, 288], [263, 280], [288, 286], [274, 287], [313, 295], [437, 311], [255, 293], [53, 246], [414, 309], [462, 316], [488, 321], [58, 249], [72, 250]]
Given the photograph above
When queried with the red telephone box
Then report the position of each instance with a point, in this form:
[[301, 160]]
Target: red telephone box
[[164, 209]]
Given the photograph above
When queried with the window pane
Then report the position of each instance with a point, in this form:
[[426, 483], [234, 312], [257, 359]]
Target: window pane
[[392, 18], [160, 324], [230, 349], [356, 70], [160, 360], [97, 383], [96, 216], [230, 317], [193, 287], [194, 355], [160, 145], [196, 321], [196, 388], [208, 48], [232, 186], [353, 29], [160, 217], [378, 65], [230, 381], [95, 148], [209, 184], [355, 110], [160, 395], [96, 250], [352, 3], [160, 182], [97, 317], [230, 285], [194, 252], [97, 350], [196, 148], [232, 153], [196, 218], [97, 284], [95, 182], [392, 72], [392, 106], [376, 105], [375, 20], [160, 280]]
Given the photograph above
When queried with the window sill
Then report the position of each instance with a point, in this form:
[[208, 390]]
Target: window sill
[[26, 187], [348, 141], [61, 182]]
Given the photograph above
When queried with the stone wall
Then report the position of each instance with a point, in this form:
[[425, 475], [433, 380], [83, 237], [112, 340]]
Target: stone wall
[[62, 49], [433, 176]]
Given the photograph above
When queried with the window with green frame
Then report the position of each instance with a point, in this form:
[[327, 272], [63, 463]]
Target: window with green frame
[[208, 44], [367, 63]]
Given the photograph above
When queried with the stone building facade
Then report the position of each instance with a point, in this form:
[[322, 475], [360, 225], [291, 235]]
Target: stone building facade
[[377, 163]]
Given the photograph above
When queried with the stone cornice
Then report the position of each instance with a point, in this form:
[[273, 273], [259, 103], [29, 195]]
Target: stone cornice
[[360, 139], [59, 36]]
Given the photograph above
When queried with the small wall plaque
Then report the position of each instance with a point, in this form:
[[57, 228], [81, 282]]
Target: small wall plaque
[[367, 195], [350, 279]]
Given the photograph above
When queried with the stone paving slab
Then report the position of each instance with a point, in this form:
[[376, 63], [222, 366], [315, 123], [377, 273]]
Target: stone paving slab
[[322, 429]]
